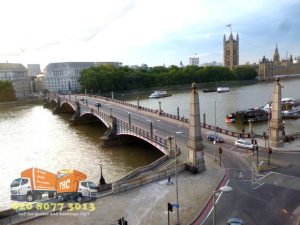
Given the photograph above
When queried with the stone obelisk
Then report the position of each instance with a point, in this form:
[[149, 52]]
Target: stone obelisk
[[195, 147], [276, 121]]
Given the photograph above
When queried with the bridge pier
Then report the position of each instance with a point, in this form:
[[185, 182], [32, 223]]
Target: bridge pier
[[46, 102], [110, 137], [276, 121], [195, 147], [57, 108]]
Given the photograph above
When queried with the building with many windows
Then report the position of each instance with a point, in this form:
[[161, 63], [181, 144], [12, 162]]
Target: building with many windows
[[64, 77], [194, 60], [18, 75], [33, 69]]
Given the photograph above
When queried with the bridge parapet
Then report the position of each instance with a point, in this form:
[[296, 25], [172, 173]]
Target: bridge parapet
[[156, 112]]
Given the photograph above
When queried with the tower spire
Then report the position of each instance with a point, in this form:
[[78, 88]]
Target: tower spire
[[276, 57]]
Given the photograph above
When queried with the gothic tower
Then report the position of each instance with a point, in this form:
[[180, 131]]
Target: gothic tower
[[276, 57], [231, 51]]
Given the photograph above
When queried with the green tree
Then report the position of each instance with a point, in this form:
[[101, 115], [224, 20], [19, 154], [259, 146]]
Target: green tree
[[110, 78], [7, 92]]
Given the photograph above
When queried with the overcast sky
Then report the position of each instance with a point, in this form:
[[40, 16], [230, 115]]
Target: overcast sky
[[154, 32]]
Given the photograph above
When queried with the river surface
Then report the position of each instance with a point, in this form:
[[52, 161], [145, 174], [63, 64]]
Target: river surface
[[31, 136], [239, 98]]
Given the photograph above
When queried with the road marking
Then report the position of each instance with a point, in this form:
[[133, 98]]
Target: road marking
[[258, 186], [273, 161], [219, 196], [283, 180]]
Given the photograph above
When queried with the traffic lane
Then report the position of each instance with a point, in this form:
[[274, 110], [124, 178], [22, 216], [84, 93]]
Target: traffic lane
[[160, 132], [122, 111], [157, 124], [237, 167], [268, 205], [231, 157], [252, 201]]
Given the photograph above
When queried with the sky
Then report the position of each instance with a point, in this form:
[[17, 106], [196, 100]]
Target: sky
[[154, 32]]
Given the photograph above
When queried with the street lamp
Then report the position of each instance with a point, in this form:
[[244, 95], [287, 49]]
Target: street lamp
[[269, 117], [159, 105], [151, 127], [250, 126], [283, 131], [176, 177], [215, 131], [102, 180], [225, 189]]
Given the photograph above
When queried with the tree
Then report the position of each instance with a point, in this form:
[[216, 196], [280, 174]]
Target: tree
[[7, 92], [109, 78]]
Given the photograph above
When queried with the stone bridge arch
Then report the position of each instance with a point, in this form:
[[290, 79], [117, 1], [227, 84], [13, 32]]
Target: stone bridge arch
[[160, 146], [67, 107], [53, 102], [89, 116]]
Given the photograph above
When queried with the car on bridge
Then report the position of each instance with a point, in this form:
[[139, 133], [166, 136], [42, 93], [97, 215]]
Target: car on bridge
[[243, 144], [98, 104], [213, 137]]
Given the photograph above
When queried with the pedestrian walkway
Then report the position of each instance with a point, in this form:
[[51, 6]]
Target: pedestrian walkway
[[287, 146], [148, 204]]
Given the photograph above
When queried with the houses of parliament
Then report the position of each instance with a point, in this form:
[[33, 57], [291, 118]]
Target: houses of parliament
[[266, 68], [269, 68]]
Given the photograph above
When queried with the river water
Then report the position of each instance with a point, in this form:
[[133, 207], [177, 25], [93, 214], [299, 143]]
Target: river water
[[239, 98], [31, 136]]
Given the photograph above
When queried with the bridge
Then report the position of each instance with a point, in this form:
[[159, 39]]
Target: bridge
[[162, 130], [124, 120]]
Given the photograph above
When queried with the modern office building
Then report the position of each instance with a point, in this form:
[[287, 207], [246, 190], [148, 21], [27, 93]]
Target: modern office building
[[269, 68], [194, 60], [18, 75], [231, 51], [33, 69], [64, 77], [39, 83]]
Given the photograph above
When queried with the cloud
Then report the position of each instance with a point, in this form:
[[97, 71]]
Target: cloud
[[142, 31]]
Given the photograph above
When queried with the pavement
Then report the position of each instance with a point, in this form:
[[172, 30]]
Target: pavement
[[287, 146], [148, 204]]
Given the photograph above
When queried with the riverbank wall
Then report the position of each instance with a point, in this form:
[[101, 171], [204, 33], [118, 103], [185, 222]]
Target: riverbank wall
[[34, 100]]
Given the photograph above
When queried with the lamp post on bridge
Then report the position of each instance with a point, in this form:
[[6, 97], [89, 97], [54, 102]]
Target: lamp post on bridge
[[159, 104], [151, 128], [138, 102], [215, 139], [129, 121]]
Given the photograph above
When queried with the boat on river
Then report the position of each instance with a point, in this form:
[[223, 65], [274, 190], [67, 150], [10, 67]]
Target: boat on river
[[223, 89], [159, 94], [253, 115], [230, 118], [209, 90], [290, 109]]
